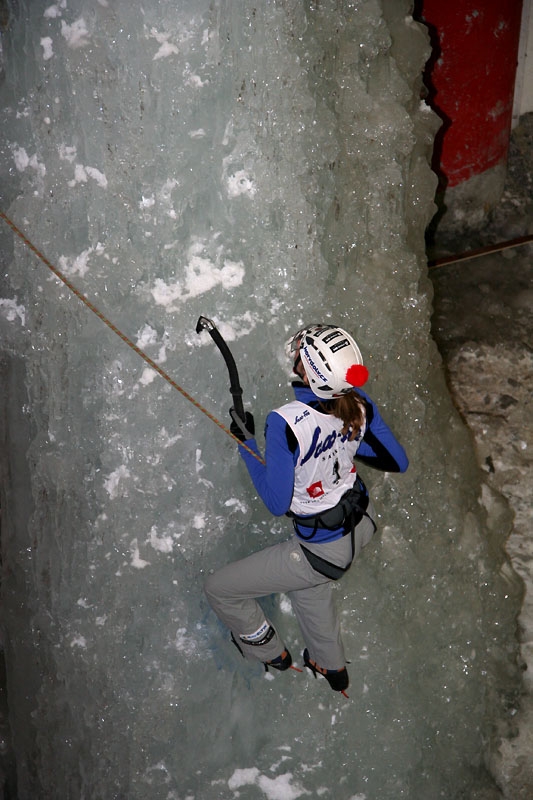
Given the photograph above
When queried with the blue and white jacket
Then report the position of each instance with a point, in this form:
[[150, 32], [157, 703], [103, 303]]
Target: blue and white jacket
[[292, 455]]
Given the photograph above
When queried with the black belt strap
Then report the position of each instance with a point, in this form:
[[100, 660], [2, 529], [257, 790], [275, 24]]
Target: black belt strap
[[326, 568]]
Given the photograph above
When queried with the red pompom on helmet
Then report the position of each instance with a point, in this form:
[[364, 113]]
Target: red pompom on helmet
[[357, 375]]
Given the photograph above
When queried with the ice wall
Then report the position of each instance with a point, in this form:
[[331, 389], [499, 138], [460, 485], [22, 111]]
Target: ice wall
[[265, 165]]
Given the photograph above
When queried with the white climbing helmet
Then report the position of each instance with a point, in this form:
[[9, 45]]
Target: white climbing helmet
[[331, 359]]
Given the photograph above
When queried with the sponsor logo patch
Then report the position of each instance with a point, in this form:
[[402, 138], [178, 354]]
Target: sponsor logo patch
[[339, 345], [313, 365], [260, 633], [333, 335], [315, 490]]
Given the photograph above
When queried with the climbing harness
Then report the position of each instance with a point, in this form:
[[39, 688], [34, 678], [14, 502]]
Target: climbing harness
[[347, 514], [121, 335], [350, 508]]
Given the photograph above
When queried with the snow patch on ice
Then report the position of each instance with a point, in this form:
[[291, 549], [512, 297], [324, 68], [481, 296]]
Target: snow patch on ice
[[147, 202], [46, 44], [243, 777], [25, 112], [230, 329], [113, 481], [82, 174], [148, 376], [201, 275], [166, 48], [199, 467], [97, 176], [160, 767], [23, 161], [194, 80], [10, 310], [79, 641], [76, 34], [165, 294], [163, 544], [239, 183], [136, 560], [67, 152], [234, 502], [80, 264], [198, 522], [145, 336], [285, 605], [183, 643], [166, 439], [54, 11], [162, 198], [280, 788]]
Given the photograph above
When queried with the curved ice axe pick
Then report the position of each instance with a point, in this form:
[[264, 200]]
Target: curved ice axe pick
[[205, 324]]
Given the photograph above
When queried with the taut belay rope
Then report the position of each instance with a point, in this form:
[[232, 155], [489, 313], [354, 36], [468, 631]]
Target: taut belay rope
[[481, 251], [119, 333]]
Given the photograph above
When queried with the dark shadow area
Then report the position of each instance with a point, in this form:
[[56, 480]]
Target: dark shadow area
[[432, 101], [8, 774], [490, 299]]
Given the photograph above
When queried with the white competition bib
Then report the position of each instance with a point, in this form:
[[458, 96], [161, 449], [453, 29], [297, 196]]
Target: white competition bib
[[325, 468]]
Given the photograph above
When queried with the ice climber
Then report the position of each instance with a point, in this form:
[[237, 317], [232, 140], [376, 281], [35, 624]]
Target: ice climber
[[309, 474]]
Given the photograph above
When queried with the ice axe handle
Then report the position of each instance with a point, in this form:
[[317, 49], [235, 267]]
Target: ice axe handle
[[205, 324]]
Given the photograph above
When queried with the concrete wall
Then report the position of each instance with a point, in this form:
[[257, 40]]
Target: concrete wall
[[523, 97]]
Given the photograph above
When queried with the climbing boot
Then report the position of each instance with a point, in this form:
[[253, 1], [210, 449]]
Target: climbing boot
[[337, 678], [282, 662]]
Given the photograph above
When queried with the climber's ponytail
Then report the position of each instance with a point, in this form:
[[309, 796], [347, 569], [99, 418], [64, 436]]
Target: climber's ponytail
[[350, 409]]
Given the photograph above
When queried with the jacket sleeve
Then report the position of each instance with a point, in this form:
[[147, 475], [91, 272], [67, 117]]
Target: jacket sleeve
[[273, 480], [380, 448]]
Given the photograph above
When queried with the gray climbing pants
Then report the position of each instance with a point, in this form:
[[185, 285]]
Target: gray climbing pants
[[232, 592]]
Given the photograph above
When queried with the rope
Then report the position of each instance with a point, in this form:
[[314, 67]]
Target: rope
[[482, 251], [123, 336]]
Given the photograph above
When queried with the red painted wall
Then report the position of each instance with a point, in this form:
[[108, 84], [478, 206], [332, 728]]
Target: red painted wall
[[471, 80]]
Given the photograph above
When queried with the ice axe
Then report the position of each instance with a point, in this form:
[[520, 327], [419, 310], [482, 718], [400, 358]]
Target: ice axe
[[205, 324]]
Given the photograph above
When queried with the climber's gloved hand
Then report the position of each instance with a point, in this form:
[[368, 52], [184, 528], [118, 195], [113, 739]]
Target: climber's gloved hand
[[242, 430]]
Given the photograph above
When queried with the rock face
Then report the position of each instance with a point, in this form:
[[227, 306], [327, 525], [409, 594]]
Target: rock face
[[265, 165], [489, 361]]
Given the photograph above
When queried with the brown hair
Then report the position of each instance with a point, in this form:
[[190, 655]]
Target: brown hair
[[350, 409]]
